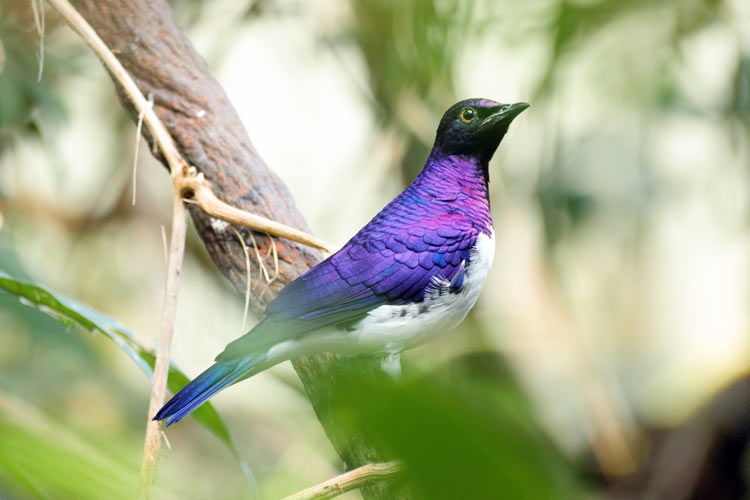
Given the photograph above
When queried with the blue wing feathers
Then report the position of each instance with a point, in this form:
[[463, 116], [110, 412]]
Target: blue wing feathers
[[205, 385], [458, 278], [439, 259]]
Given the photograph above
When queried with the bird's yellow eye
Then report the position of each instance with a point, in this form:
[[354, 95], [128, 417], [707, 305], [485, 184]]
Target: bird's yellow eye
[[468, 114]]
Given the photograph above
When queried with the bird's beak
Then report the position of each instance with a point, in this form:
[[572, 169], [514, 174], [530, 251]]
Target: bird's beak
[[505, 114]]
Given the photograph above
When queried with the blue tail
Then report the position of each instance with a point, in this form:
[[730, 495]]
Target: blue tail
[[205, 385]]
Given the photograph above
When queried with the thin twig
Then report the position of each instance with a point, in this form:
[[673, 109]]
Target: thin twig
[[39, 23], [161, 368], [35, 13], [164, 244], [261, 260], [349, 481], [2, 56], [138, 128], [245, 251], [272, 250]]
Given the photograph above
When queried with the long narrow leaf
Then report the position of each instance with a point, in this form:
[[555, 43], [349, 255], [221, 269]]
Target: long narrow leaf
[[68, 310]]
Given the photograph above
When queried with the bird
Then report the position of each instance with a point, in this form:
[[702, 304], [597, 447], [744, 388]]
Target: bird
[[410, 274]]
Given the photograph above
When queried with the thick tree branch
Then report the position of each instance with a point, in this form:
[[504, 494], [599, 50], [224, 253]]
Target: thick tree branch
[[208, 133]]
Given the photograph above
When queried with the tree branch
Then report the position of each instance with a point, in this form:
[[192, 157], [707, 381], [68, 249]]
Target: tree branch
[[349, 481]]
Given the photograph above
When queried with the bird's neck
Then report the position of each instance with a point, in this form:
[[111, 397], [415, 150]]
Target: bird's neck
[[457, 182], [468, 174]]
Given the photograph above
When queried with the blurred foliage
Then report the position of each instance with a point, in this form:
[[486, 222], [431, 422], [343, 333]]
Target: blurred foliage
[[739, 104], [573, 24], [24, 98], [411, 50], [648, 88], [463, 430]]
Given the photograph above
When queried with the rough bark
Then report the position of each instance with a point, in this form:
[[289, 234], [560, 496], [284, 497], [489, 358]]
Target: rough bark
[[208, 132]]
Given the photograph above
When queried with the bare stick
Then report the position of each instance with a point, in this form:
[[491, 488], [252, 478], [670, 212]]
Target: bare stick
[[161, 368], [246, 251], [164, 244], [35, 13], [261, 260], [349, 481], [138, 129], [39, 23]]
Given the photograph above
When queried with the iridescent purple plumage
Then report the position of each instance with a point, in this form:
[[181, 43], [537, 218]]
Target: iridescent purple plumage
[[429, 229]]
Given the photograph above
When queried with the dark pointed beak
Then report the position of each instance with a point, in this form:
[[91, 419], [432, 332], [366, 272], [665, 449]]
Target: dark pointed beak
[[505, 114]]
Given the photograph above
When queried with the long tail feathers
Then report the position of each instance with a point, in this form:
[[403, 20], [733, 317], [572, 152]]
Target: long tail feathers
[[205, 385]]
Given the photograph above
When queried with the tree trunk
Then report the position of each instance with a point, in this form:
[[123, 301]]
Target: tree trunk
[[208, 132]]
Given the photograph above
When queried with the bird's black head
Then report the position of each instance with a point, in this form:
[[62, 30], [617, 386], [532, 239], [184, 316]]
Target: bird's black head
[[475, 127]]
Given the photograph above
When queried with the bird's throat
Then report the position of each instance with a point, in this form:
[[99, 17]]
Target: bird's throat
[[460, 182]]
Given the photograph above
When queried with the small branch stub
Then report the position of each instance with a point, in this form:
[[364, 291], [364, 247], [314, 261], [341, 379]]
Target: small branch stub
[[200, 192]]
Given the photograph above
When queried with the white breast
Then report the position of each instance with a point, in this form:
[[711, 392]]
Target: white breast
[[394, 328]]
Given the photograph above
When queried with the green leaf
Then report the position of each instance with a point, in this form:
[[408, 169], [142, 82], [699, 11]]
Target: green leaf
[[67, 310]]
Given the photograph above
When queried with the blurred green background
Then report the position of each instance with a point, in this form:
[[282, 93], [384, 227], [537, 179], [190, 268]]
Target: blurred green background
[[617, 309]]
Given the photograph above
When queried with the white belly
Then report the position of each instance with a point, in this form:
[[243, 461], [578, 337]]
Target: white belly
[[394, 328]]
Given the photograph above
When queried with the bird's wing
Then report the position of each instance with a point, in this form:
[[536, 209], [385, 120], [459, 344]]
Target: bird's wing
[[380, 265]]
